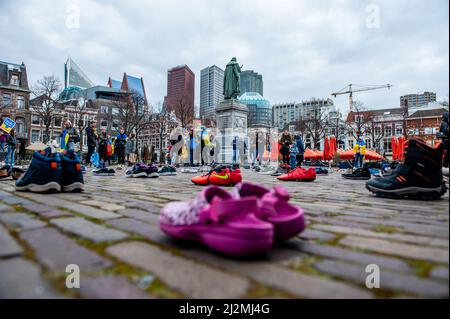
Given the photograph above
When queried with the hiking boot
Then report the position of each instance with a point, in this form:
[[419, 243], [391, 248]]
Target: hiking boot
[[358, 174], [420, 176], [71, 176], [43, 174]]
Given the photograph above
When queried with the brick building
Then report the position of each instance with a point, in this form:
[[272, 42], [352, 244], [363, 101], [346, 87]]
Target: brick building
[[180, 92]]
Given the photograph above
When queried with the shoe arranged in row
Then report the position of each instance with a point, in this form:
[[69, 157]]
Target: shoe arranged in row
[[142, 170], [299, 174], [104, 172], [420, 176], [281, 170], [246, 221], [167, 171], [52, 172], [321, 171], [361, 173], [220, 176]]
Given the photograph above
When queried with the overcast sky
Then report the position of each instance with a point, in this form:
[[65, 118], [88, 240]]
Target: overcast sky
[[303, 49]]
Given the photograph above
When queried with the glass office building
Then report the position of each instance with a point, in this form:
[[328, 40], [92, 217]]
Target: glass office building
[[259, 109]]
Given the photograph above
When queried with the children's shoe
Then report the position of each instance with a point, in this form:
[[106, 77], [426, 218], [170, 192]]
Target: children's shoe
[[71, 176], [104, 172], [358, 174], [219, 221], [167, 171], [321, 171], [138, 170], [287, 220], [300, 175], [152, 171], [220, 177], [420, 176], [43, 174]]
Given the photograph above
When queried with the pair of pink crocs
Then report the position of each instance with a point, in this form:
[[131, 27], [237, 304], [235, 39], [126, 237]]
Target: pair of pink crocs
[[243, 222]]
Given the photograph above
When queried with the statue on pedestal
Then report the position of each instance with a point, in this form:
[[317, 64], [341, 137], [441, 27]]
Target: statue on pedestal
[[231, 89]]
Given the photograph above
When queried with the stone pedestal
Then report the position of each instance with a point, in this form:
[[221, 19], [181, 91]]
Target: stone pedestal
[[231, 119]]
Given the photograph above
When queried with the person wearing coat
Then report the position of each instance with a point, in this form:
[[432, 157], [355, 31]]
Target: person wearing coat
[[130, 146], [285, 142]]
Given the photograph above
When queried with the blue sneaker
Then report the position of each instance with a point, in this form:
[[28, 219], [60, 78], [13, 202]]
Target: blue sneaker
[[321, 171], [72, 176], [43, 174], [167, 171]]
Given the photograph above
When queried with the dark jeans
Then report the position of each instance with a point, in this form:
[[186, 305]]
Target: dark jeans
[[299, 160], [358, 161], [91, 150], [121, 155]]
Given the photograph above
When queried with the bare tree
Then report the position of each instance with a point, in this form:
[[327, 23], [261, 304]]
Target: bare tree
[[316, 124], [361, 121], [161, 123], [184, 110], [46, 104], [376, 133], [79, 108]]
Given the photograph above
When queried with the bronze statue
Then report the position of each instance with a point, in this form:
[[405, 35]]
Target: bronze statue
[[231, 80]]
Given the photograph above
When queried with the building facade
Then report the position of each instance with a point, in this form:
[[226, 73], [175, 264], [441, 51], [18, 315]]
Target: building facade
[[251, 81], [259, 110], [180, 90], [211, 91], [416, 100], [15, 98]]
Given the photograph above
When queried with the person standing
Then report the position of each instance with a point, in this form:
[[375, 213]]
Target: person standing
[[102, 147], [119, 146], [12, 145], [130, 149], [92, 140], [285, 142], [293, 151], [69, 137], [360, 151], [300, 150]]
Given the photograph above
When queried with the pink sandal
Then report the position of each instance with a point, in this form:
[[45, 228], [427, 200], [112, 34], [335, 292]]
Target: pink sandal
[[287, 220], [221, 222]]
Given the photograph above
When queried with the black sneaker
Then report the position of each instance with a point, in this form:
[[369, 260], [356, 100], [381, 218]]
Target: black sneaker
[[152, 171], [103, 172], [71, 176], [358, 174], [167, 171], [420, 176], [43, 174], [138, 170]]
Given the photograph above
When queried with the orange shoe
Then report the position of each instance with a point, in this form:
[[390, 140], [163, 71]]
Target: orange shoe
[[221, 177]]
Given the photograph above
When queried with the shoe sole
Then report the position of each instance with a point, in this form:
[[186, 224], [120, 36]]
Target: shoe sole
[[104, 174], [167, 174], [410, 192], [153, 175], [74, 187], [229, 241], [35, 188], [357, 178], [142, 174]]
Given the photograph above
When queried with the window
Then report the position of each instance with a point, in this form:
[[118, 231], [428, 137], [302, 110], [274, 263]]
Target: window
[[359, 118], [350, 143], [104, 109], [398, 130], [388, 131], [58, 122], [35, 120], [377, 131], [291, 128], [21, 102], [387, 146], [6, 100], [103, 123], [35, 134], [14, 80], [115, 111], [368, 143], [57, 136], [20, 129]]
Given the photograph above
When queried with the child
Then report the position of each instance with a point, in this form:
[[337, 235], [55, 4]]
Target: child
[[293, 151], [12, 145]]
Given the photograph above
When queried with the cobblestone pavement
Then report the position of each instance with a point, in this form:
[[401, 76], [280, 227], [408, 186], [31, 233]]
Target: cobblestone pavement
[[111, 232]]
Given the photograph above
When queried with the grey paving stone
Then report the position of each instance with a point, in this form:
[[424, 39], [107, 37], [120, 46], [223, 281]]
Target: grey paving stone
[[46, 211], [440, 273], [20, 279], [103, 204], [349, 255], [388, 279], [146, 230], [296, 283], [8, 245], [110, 287], [139, 214], [4, 208], [421, 240], [317, 235], [397, 249], [21, 220], [55, 251], [88, 230], [188, 277]]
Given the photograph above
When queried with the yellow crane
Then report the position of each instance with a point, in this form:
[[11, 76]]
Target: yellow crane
[[349, 89]]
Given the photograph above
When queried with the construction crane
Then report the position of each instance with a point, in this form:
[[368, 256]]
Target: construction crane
[[349, 89]]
